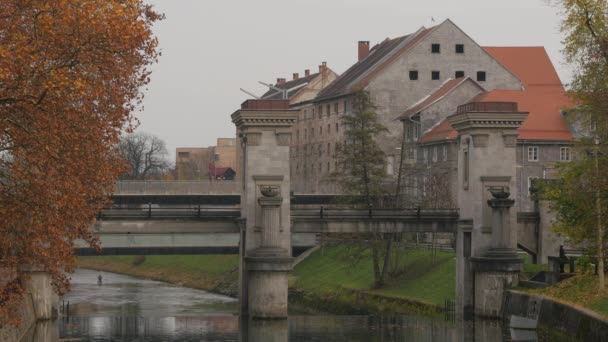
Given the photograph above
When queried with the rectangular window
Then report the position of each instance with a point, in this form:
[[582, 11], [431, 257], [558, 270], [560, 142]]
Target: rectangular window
[[336, 107], [459, 74], [344, 108], [434, 154], [337, 127], [312, 132], [305, 133], [320, 110], [445, 153], [459, 48], [481, 76], [533, 153], [328, 108], [328, 149], [416, 132], [564, 154], [435, 48], [328, 128], [435, 75], [413, 75], [320, 130], [425, 155], [183, 154]]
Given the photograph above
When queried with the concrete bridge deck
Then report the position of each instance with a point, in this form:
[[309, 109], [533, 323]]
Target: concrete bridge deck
[[216, 230]]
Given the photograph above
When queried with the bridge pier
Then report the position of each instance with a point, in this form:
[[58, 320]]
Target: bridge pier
[[486, 259], [263, 128]]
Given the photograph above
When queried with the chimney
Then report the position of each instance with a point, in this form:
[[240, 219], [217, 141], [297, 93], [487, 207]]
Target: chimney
[[280, 80], [323, 69], [296, 76], [306, 72], [363, 49]]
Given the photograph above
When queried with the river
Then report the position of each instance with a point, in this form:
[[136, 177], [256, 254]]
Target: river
[[124, 308]]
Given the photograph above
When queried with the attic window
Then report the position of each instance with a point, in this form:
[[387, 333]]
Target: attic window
[[413, 75], [459, 74], [434, 75], [435, 48], [459, 48], [481, 76]]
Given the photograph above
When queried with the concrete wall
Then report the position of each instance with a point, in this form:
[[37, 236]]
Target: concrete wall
[[581, 323]]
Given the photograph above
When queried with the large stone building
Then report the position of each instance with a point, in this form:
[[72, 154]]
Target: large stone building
[[397, 73], [301, 91]]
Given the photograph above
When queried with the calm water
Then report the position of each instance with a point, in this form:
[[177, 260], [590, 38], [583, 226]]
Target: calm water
[[129, 309]]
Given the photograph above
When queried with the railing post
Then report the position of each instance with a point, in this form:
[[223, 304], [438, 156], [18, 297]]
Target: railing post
[[321, 212], [199, 210], [149, 209]]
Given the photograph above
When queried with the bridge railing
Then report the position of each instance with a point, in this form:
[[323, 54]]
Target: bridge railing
[[153, 187], [372, 213], [153, 212]]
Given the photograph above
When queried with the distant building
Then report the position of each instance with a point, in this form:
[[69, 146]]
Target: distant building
[[214, 163], [419, 79]]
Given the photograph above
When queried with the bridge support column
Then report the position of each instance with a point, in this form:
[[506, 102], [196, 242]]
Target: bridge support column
[[485, 263], [498, 269], [263, 128]]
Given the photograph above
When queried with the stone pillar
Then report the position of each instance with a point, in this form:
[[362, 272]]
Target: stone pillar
[[263, 128], [487, 137], [498, 269]]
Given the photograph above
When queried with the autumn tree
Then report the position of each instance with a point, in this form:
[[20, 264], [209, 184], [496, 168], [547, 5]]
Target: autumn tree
[[361, 172], [146, 156], [585, 26], [71, 77]]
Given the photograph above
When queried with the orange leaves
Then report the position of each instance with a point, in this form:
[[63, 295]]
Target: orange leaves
[[70, 72]]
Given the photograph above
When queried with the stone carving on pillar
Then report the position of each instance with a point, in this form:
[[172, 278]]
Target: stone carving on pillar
[[498, 268]]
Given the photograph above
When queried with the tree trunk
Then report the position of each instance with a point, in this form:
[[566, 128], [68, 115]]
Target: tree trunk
[[387, 257], [600, 228]]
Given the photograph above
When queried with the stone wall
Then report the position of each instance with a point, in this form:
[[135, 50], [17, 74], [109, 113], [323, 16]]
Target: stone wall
[[582, 323]]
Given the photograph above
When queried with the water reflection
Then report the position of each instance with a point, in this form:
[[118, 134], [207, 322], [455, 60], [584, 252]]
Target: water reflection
[[129, 309]]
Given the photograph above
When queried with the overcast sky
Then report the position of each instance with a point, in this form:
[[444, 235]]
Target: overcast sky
[[210, 49]]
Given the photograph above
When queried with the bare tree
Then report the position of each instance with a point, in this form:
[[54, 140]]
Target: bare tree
[[146, 155]]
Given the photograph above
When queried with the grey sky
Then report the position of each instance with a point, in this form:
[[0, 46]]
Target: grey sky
[[210, 49]]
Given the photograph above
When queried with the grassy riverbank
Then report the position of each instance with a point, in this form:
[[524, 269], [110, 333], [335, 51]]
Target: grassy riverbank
[[581, 290], [216, 273], [326, 276]]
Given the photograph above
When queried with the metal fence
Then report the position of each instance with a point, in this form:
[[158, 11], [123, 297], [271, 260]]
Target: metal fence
[[177, 188]]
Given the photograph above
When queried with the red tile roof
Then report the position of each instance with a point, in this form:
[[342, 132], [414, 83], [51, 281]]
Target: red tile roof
[[544, 105], [436, 95], [530, 64], [543, 97], [380, 56], [442, 131]]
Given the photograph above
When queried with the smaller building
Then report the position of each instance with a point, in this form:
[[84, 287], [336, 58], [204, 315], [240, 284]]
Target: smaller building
[[213, 163]]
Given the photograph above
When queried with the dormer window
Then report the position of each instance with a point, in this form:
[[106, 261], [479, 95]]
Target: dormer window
[[435, 48]]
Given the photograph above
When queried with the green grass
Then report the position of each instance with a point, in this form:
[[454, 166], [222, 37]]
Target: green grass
[[422, 279], [580, 290], [217, 273]]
